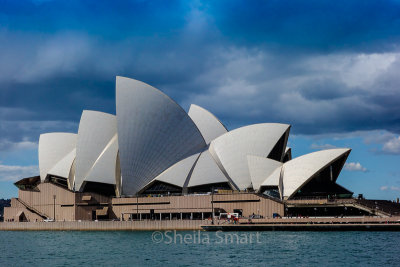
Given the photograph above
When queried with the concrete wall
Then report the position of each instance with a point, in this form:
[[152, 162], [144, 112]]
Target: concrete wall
[[106, 225], [70, 206], [43, 201], [249, 203], [10, 213], [84, 209], [184, 224]]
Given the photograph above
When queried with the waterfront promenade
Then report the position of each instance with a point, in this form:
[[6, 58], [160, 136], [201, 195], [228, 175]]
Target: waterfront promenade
[[104, 225], [164, 225]]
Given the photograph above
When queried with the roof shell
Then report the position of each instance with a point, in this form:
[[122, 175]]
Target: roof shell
[[273, 179], [103, 170], [95, 131], [261, 169], [53, 147], [179, 172], [209, 126], [231, 149], [63, 167], [298, 171], [206, 171], [154, 132]]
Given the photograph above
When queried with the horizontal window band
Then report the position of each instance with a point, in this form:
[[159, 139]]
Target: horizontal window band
[[140, 204], [235, 201]]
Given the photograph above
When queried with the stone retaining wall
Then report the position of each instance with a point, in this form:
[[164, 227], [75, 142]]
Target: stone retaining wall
[[104, 225]]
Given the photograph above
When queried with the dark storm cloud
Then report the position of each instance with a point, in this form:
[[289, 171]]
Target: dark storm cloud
[[322, 66], [327, 89], [368, 26]]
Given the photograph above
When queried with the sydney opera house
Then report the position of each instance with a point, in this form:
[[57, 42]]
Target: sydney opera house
[[155, 161]]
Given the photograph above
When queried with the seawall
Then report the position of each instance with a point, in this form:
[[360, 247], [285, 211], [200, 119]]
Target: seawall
[[284, 224], [305, 227], [104, 225]]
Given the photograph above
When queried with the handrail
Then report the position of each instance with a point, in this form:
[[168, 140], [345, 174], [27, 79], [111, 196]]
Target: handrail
[[381, 206], [32, 209]]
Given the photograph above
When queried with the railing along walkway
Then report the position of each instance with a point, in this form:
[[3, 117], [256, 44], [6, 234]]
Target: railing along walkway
[[32, 209]]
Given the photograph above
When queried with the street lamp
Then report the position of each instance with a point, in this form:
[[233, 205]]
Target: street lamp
[[54, 207], [212, 205], [137, 206]]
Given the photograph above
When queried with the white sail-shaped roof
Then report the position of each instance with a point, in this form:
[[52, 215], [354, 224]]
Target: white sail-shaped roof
[[209, 126], [103, 170], [63, 167], [261, 169], [231, 149], [299, 171], [154, 132], [53, 147], [179, 172], [71, 176], [95, 131], [206, 171], [273, 179]]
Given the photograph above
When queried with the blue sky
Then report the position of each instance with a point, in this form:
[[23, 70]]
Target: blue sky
[[329, 68]]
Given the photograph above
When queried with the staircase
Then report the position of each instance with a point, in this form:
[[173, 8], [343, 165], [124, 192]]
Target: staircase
[[32, 209], [379, 207]]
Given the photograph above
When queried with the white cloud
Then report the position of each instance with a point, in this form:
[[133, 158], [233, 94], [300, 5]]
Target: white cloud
[[33, 58], [381, 141], [7, 145], [62, 53], [313, 93], [24, 135], [392, 146], [369, 137], [15, 173], [389, 142], [392, 188], [25, 145], [12, 112], [377, 136], [354, 167], [322, 146], [354, 70]]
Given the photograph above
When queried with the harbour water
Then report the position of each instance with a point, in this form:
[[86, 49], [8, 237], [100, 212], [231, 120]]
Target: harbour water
[[195, 248]]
